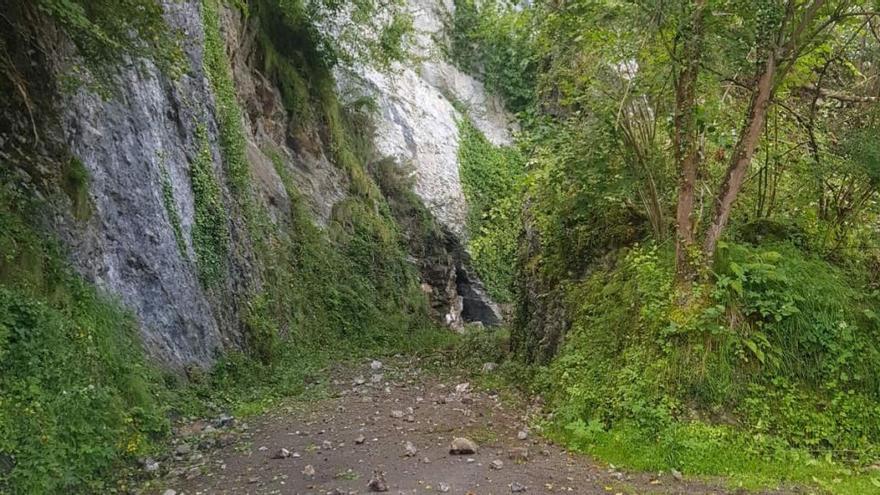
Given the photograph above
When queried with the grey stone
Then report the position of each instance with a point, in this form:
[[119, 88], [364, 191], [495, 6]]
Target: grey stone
[[463, 446]]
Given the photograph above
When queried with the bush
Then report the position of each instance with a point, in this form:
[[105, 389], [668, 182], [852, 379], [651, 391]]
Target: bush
[[492, 179], [493, 41], [76, 395], [781, 345]]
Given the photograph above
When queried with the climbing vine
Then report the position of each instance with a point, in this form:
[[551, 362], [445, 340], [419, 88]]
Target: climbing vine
[[491, 177], [229, 118], [210, 235], [171, 209]]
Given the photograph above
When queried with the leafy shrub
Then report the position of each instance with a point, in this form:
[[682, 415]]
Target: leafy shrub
[[493, 41], [76, 396], [781, 341], [492, 180]]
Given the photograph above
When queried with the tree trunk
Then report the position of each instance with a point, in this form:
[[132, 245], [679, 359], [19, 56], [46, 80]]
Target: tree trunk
[[741, 158], [686, 150]]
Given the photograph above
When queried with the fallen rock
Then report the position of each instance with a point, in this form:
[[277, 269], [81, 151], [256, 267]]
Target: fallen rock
[[396, 414], [518, 454], [151, 465], [517, 487], [376, 365], [463, 446], [443, 487], [360, 439], [411, 449], [677, 475], [308, 472], [497, 464], [224, 421], [462, 387], [522, 435], [377, 482], [281, 454]]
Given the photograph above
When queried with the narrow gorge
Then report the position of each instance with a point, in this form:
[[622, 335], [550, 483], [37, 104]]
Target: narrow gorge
[[455, 246]]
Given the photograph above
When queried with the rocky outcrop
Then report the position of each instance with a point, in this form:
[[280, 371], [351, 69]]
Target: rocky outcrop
[[139, 145], [419, 105], [542, 317], [127, 246]]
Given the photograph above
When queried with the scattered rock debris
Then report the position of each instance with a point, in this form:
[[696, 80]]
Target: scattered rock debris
[[377, 482], [350, 443]]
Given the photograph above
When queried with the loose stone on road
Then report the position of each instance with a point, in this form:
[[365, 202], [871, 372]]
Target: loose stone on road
[[409, 432]]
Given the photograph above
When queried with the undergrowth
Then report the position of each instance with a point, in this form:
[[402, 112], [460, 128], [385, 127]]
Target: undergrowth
[[491, 177], [767, 371], [76, 395]]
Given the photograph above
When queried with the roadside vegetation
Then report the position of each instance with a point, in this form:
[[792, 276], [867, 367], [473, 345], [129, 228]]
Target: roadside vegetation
[[698, 214], [686, 226]]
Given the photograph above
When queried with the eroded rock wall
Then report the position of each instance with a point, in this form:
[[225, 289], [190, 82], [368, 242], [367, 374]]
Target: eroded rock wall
[[420, 103], [139, 145]]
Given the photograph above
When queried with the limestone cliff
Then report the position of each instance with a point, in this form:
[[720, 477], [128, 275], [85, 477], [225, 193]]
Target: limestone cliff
[[166, 219]]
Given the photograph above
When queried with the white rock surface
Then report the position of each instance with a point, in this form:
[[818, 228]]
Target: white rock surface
[[417, 119]]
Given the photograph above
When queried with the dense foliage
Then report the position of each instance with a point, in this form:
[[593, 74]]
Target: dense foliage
[[492, 180], [758, 334], [77, 395], [699, 196]]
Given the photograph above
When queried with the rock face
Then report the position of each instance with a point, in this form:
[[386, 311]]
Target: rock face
[[420, 105], [138, 148], [127, 246], [542, 318]]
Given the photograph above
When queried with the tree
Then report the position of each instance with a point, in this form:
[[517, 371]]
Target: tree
[[789, 31]]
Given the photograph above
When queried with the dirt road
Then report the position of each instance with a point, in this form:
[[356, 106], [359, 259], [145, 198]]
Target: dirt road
[[392, 425]]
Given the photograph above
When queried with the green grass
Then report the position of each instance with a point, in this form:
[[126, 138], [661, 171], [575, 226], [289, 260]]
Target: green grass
[[77, 397], [709, 451]]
